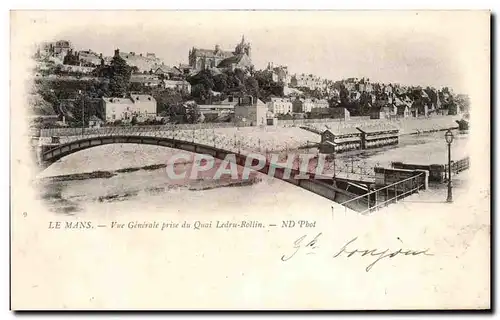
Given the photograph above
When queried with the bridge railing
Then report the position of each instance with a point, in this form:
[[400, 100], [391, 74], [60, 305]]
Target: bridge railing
[[49, 132], [382, 197]]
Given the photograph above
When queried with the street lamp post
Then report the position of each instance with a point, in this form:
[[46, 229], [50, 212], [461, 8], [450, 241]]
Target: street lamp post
[[449, 139]]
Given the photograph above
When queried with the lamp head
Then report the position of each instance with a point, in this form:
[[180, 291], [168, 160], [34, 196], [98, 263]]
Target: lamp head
[[449, 136]]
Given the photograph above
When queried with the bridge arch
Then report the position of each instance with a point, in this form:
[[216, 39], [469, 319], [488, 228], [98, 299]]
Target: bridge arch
[[51, 155]]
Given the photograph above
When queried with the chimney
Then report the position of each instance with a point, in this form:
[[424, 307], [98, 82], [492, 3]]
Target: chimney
[[117, 52]]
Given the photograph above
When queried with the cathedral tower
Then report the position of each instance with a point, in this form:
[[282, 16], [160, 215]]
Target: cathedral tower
[[243, 47]]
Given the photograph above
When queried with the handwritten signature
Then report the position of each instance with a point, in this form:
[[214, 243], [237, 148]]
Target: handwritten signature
[[297, 244], [348, 251]]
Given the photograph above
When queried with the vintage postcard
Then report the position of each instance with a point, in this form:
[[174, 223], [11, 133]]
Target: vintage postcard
[[250, 160]]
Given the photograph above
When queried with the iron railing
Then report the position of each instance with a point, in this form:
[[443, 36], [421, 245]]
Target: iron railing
[[126, 129], [457, 167], [384, 196]]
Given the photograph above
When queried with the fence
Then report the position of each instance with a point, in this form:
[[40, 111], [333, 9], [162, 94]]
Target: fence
[[457, 167], [131, 129], [350, 168], [384, 196]]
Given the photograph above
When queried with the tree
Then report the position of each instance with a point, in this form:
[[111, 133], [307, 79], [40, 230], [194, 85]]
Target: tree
[[432, 95], [221, 82], [251, 86], [267, 87], [139, 87], [119, 76], [240, 75], [166, 101], [365, 103], [344, 95], [463, 102], [204, 78], [200, 92], [133, 121], [193, 113], [89, 106]]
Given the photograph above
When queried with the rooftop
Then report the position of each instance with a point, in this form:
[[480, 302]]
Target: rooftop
[[142, 98], [211, 53], [134, 98], [343, 130], [229, 61], [117, 100], [277, 99]]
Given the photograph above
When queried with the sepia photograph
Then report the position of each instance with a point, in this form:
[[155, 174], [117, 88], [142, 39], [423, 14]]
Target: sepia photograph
[[250, 160]]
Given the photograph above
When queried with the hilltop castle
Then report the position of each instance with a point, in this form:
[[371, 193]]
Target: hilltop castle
[[200, 59]]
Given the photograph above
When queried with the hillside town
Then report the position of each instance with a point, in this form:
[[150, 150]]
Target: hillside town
[[83, 88]]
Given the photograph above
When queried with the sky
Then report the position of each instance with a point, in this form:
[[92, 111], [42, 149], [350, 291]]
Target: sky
[[417, 48]]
